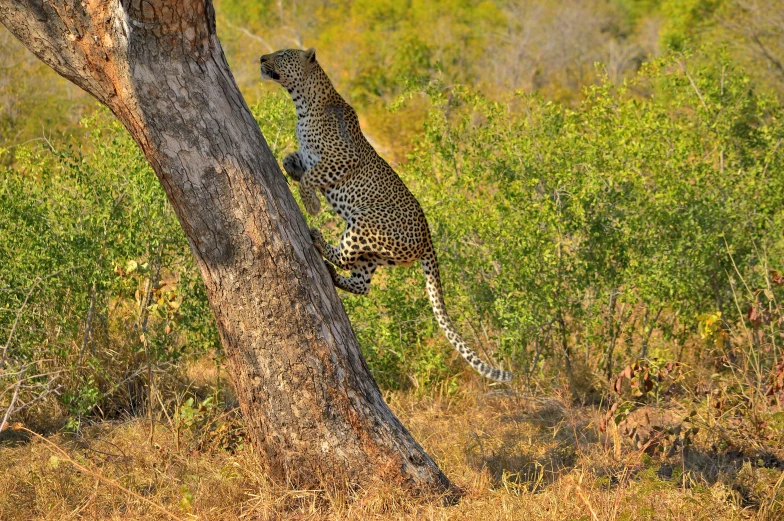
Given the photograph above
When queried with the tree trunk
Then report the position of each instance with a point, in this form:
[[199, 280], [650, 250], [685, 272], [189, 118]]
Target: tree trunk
[[311, 406]]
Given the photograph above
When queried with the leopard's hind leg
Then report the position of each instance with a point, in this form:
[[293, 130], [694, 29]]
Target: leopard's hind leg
[[361, 275], [345, 255]]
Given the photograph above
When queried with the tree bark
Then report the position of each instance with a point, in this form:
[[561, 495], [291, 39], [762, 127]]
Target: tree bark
[[312, 408]]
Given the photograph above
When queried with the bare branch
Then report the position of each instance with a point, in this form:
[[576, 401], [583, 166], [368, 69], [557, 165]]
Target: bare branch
[[13, 401], [249, 34], [16, 320], [30, 291]]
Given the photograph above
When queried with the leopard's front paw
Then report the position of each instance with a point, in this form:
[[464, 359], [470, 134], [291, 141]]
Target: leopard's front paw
[[332, 272], [318, 240], [293, 166], [310, 199]]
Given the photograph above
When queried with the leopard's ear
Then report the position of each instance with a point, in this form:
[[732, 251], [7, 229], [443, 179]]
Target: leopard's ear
[[310, 55]]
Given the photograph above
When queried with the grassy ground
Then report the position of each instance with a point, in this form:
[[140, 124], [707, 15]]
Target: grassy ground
[[516, 456]]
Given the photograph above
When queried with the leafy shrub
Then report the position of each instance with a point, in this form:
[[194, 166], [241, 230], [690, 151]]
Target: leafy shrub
[[571, 240], [96, 270], [597, 229]]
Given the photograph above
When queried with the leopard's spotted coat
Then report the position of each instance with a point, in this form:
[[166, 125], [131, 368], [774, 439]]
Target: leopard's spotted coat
[[385, 225]]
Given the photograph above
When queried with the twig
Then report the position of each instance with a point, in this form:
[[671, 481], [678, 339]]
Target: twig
[[37, 281], [16, 321], [769, 159], [24, 367], [13, 401], [694, 86], [40, 396], [297, 39], [250, 35], [57, 373], [646, 339], [123, 382], [86, 445], [151, 281], [627, 473], [88, 326], [165, 412], [586, 500]]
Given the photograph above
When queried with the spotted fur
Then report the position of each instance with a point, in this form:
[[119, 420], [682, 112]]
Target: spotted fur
[[385, 225]]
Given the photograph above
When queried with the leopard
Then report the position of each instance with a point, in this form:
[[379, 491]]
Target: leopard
[[385, 224]]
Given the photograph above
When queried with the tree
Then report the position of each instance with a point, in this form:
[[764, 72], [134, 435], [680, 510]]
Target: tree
[[311, 406]]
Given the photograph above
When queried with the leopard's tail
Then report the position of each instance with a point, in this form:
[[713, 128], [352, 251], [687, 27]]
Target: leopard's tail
[[436, 295]]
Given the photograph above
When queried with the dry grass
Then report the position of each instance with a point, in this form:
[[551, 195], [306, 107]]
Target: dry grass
[[515, 456]]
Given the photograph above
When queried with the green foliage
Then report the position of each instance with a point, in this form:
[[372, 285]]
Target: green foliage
[[565, 215], [95, 265], [621, 227], [387, 40], [685, 19], [34, 102]]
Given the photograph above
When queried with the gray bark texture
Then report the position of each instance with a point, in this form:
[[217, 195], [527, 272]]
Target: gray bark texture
[[313, 410]]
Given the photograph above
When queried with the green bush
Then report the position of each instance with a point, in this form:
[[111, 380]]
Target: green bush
[[571, 240], [641, 208], [96, 268]]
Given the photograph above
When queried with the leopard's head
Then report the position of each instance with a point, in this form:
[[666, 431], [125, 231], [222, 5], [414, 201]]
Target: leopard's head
[[288, 66]]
